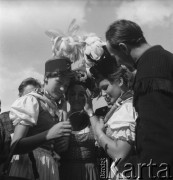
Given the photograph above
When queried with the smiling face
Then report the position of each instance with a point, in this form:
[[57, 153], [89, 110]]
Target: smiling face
[[76, 97], [57, 86], [111, 91]]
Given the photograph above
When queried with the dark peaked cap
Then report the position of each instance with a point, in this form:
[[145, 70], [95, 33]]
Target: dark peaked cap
[[59, 66]]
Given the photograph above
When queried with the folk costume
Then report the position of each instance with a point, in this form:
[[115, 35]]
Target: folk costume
[[120, 121], [39, 111], [79, 161]]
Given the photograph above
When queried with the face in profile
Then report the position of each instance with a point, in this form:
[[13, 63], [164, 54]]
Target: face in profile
[[76, 97], [57, 86], [121, 56], [111, 91]]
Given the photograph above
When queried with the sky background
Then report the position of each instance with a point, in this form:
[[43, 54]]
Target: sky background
[[24, 46]]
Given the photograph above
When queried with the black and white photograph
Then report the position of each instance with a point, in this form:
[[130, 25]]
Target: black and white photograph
[[86, 89]]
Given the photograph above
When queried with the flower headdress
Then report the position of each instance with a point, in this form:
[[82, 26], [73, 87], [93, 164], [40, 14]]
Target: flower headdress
[[93, 49], [86, 49]]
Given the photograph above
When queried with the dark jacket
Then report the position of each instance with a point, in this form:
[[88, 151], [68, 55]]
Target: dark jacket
[[153, 100]]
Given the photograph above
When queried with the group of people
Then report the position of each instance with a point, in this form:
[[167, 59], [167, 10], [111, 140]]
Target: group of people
[[136, 80]]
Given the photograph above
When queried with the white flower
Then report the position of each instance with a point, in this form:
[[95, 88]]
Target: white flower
[[93, 48]]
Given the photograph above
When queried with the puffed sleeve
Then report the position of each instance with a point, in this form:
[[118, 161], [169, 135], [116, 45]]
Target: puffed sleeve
[[25, 111], [122, 123]]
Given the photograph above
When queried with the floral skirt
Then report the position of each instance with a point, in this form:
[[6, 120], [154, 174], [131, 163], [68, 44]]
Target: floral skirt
[[46, 165]]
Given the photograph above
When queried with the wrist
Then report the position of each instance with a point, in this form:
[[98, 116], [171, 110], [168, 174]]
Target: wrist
[[48, 135], [99, 131], [100, 135]]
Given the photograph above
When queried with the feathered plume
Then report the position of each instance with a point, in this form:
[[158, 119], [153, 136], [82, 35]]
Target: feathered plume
[[67, 45]]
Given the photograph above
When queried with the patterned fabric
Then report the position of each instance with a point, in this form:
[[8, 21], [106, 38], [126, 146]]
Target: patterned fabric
[[6, 128], [80, 158], [81, 148], [6, 122], [5, 141]]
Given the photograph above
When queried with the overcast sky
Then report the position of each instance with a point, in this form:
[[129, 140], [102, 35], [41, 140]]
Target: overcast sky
[[24, 47]]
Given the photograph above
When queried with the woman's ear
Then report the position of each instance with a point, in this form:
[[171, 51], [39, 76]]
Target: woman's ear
[[45, 80], [124, 48], [121, 82]]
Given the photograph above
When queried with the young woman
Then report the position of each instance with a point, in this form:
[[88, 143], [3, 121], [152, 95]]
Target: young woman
[[36, 120], [79, 161], [116, 134]]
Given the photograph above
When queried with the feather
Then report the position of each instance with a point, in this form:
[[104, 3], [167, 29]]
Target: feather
[[70, 28], [52, 33]]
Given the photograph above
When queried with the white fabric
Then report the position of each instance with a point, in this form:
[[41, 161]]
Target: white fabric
[[25, 110], [122, 122]]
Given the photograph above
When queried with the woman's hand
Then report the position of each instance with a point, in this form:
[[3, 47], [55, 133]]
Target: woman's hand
[[99, 126], [59, 130]]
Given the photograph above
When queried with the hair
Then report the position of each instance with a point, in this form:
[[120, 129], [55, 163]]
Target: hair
[[125, 74], [124, 31], [26, 82]]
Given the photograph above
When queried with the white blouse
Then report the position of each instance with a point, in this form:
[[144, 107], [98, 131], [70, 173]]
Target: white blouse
[[25, 110], [121, 125]]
